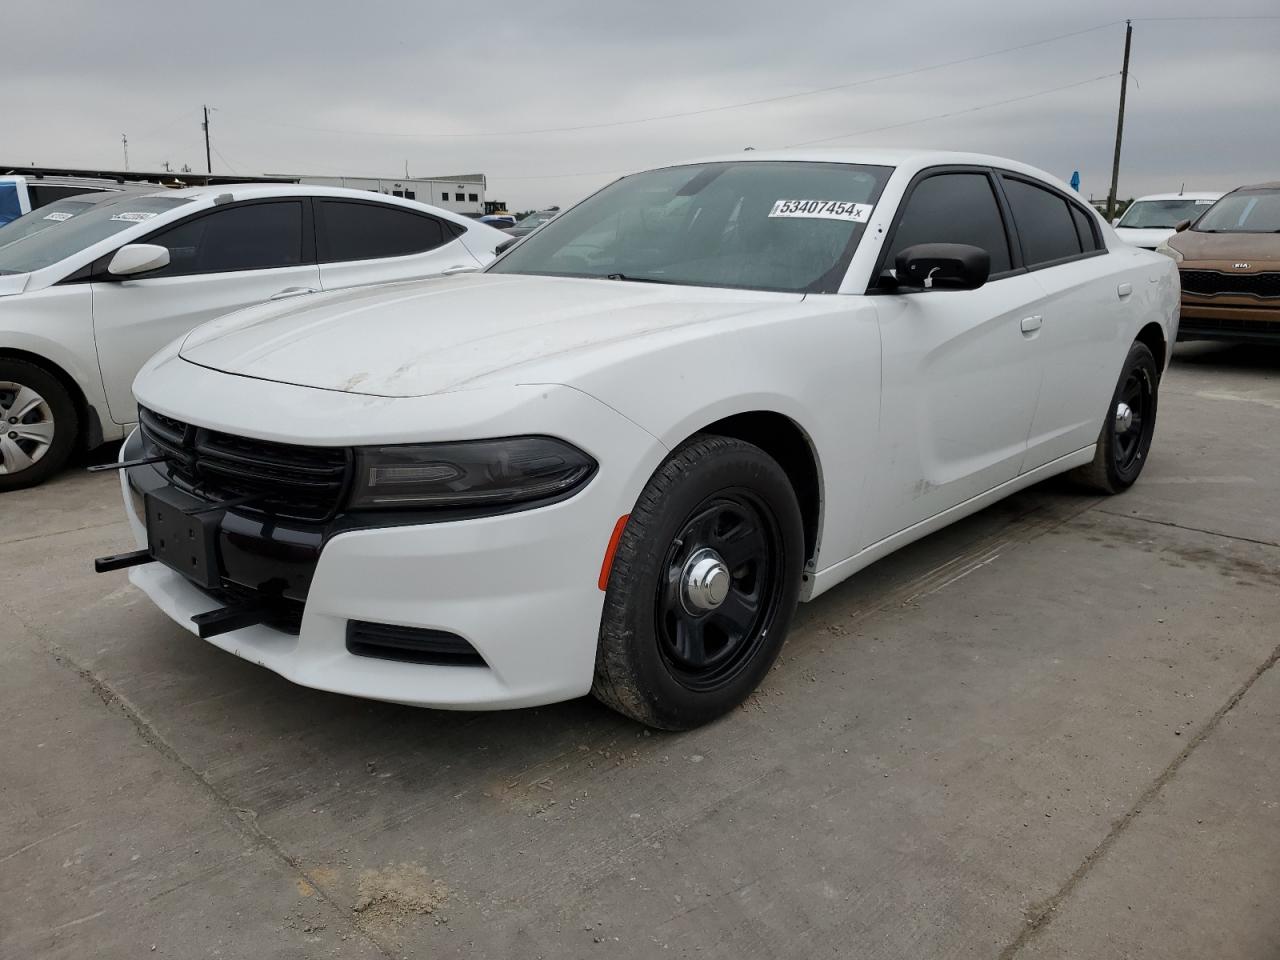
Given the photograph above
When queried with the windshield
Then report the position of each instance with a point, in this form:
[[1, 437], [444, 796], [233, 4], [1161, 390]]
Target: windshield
[[37, 220], [785, 226], [47, 247], [1162, 214], [529, 224], [1243, 211]]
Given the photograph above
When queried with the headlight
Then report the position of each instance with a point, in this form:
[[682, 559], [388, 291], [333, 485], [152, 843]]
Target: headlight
[[468, 473], [1168, 251]]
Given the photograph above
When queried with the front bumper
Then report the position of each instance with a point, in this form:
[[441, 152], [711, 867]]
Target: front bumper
[[1239, 319], [521, 588]]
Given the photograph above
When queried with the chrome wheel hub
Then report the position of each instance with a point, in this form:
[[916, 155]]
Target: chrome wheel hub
[[26, 427], [1124, 417], [704, 583]]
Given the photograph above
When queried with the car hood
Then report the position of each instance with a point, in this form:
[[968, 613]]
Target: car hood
[[432, 336], [1149, 237], [11, 283], [1234, 247]]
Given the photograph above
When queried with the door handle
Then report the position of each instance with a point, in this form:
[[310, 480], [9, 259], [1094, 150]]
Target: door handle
[[1032, 324], [458, 268], [288, 292], [1124, 290]]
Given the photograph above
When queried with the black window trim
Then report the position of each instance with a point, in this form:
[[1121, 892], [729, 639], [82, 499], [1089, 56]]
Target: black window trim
[[1006, 218], [449, 230], [1090, 217]]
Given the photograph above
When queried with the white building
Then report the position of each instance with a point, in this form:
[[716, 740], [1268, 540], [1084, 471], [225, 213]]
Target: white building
[[461, 194]]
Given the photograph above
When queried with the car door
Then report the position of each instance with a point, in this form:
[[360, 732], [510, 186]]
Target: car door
[[960, 368], [363, 241], [220, 260], [1088, 307]]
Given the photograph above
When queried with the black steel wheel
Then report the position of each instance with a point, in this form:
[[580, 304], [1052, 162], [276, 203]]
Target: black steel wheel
[[1125, 439], [721, 586], [703, 585]]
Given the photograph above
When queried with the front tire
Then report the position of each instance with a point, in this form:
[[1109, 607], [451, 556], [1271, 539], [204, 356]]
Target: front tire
[[1130, 424], [38, 424], [703, 586]]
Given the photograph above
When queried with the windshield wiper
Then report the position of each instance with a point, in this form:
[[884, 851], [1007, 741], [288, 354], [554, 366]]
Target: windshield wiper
[[623, 276]]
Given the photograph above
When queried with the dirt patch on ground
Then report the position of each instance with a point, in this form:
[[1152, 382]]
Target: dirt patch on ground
[[396, 893]]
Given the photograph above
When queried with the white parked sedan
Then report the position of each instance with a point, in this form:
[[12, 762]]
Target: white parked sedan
[[614, 461], [84, 304], [1150, 221]]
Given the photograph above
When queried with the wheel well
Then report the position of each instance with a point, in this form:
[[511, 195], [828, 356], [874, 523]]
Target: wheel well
[[88, 418], [784, 440], [1153, 336]]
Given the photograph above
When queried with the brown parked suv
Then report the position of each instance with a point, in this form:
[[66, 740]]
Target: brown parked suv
[[1229, 261]]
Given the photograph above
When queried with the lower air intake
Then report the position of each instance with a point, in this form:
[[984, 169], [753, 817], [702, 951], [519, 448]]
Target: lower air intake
[[410, 645]]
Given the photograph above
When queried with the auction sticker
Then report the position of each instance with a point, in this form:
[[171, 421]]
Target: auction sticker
[[133, 217], [1204, 203], [823, 210], [58, 216]]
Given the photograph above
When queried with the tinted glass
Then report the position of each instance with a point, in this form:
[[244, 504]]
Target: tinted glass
[[1044, 222], [369, 231], [1162, 214], [1243, 211], [107, 218], [41, 194], [767, 225], [953, 208], [259, 236], [1084, 229]]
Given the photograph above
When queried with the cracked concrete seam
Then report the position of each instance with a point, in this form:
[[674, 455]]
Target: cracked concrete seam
[[1183, 526], [1044, 916], [246, 819]]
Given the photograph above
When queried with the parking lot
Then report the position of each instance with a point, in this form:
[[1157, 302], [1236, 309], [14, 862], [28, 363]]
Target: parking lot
[[1051, 730]]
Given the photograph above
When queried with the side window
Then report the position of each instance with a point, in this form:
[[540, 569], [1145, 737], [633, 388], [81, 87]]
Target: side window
[[953, 208], [1044, 222], [256, 236], [1085, 229], [371, 231]]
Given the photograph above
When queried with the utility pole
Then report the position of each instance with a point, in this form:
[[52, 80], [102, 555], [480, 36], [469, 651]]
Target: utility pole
[[208, 157], [1124, 87], [124, 139]]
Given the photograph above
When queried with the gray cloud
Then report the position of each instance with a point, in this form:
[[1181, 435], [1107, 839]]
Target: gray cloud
[[1203, 107]]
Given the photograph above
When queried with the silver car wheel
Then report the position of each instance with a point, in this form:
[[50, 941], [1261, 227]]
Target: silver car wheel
[[26, 427]]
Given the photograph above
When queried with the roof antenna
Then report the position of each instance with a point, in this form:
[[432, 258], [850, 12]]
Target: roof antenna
[[1181, 188]]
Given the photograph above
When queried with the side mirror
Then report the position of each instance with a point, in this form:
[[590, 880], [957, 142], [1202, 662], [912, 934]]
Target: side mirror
[[134, 258], [951, 266], [1181, 225], [1115, 221], [505, 245]]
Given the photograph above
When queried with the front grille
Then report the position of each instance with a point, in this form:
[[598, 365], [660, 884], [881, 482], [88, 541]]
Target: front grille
[[386, 641], [278, 479], [1213, 282]]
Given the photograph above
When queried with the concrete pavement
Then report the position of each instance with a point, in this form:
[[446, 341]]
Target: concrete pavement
[[1048, 731]]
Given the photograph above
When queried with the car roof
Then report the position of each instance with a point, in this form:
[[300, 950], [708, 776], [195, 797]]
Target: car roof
[[907, 159], [1270, 185], [1184, 195]]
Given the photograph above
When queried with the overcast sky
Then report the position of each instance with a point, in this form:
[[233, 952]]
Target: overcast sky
[[362, 89]]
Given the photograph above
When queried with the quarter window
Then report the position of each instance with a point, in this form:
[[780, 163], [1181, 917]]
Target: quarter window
[[953, 208], [258, 236], [1084, 228], [1045, 224], [370, 231]]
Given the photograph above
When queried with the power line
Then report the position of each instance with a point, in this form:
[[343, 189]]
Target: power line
[[954, 113], [703, 110]]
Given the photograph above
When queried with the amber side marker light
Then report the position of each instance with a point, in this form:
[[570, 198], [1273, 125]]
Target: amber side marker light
[[611, 550]]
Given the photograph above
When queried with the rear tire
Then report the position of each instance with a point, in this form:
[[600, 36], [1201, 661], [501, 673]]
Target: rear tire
[[39, 424], [1125, 439], [703, 586]]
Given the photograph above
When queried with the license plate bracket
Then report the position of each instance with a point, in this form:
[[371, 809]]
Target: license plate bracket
[[183, 541]]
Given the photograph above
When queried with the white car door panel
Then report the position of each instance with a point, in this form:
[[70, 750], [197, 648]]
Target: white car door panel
[[211, 272], [960, 379]]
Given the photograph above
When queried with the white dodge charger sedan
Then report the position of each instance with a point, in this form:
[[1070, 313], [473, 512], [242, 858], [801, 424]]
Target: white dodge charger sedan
[[85, 301], [614, 461]]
